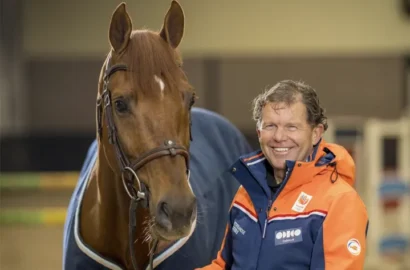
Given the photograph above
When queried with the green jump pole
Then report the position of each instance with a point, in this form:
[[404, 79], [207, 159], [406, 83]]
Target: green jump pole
[[39, 181], [48, 216]]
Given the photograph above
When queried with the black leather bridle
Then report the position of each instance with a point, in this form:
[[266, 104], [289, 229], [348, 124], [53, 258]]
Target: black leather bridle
[[128, 170]]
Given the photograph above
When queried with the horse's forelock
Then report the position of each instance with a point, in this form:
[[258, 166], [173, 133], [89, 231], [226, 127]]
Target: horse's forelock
[[149, 56]]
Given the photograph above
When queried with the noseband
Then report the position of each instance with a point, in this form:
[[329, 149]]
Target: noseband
[[128, 169]]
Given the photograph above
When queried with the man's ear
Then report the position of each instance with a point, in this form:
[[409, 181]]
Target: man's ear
[[317, 133], [258, 130]]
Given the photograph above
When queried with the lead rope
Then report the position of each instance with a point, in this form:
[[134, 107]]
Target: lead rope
[[151, 256], [131, 236], [131, 230]]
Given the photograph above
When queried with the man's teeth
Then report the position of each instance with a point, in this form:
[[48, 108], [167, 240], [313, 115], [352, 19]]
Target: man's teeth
[[281, 149]]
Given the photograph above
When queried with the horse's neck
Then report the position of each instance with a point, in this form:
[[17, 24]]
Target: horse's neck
[[104, 217]]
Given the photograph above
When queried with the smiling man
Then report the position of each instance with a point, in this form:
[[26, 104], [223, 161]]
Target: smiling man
[[296, 207]]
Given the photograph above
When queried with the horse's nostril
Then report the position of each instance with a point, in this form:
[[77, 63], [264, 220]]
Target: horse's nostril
[[164, 216], [176, 214], [165, 209]]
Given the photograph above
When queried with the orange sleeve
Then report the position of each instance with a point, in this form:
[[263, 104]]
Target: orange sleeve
[[219, 262], [341, 242], [224, 256]]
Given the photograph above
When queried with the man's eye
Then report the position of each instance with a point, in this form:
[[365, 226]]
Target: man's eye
[[121, 106]]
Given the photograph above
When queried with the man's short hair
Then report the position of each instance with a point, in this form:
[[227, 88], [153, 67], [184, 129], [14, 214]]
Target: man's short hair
[[289, 92]]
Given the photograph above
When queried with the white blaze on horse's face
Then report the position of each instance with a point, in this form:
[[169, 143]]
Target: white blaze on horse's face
[[161, 83]]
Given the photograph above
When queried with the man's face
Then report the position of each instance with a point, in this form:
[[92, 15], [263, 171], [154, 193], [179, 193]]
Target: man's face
[[284, 133]]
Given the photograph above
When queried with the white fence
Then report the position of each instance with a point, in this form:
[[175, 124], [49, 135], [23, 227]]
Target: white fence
[[392, 228]]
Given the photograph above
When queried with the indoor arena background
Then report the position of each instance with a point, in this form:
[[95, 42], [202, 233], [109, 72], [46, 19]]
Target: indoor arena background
[[354, 52]]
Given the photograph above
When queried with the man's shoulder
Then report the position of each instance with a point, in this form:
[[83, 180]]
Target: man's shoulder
[[327, 191], [249, 157], [339, 187], [243, 201], [342, 192]]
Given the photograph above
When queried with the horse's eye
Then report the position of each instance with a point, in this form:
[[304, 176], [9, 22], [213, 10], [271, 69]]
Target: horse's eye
[[121, 106]]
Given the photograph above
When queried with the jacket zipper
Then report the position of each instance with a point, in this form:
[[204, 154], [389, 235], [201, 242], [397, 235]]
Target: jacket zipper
[[270, 203], [266, 220], [264, 229], [270, 206]]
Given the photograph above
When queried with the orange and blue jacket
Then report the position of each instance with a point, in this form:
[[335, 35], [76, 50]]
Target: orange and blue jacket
[[315, 219]]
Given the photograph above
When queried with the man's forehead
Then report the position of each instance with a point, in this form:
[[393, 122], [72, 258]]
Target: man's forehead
[[290, 111], [278, 106]]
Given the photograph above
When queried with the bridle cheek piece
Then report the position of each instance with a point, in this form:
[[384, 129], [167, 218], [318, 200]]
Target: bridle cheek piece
[[128, 169]]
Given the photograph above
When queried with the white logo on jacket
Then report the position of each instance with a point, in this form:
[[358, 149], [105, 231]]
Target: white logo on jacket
[[288, 236], [237, 228], [301, 202], [353, 246]]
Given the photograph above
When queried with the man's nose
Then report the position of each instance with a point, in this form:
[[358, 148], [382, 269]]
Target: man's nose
[[279, 135]]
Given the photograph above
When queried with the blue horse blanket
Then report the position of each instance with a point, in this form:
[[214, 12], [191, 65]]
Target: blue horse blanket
[[216, 145]]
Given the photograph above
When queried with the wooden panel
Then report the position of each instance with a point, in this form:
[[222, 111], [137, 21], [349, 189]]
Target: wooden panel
[[369, 87], [62, 92]]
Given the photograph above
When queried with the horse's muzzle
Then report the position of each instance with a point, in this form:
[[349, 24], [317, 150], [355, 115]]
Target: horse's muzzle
[[176, 215]]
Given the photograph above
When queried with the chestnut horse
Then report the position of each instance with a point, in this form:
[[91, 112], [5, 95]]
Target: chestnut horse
[[147, 192]]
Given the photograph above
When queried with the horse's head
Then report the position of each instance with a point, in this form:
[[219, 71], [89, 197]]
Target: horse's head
[[143, 117]]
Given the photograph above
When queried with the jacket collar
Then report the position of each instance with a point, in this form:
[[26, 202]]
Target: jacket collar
[[303, 172], [298, 172]]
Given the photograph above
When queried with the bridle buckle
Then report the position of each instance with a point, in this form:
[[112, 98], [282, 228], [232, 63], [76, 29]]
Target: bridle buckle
[[135, 195]]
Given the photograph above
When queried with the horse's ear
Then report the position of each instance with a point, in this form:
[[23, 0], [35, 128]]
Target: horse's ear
[[173, 29], [120, 28]]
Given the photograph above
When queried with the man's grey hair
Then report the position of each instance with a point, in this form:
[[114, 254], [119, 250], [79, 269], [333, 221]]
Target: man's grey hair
[[289, 92]]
